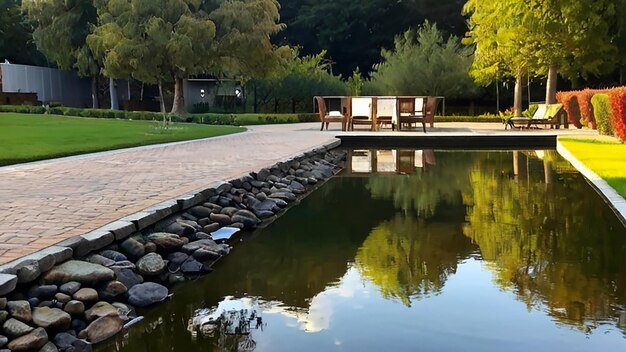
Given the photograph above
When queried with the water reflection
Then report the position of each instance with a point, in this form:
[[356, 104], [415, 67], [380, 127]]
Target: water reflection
[[396, 161], [411, 258], [480, 251]]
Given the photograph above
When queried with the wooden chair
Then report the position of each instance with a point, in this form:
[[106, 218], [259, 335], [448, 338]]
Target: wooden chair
[[411, 111], [431, 109], [363, 112], [333, 116], [386, 112]]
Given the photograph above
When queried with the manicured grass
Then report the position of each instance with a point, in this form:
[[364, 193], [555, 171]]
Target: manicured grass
[[27, 137], [605, 157]]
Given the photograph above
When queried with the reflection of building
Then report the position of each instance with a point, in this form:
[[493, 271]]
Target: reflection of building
[[362, 161]]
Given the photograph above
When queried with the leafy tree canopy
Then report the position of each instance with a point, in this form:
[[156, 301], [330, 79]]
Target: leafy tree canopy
[[61, 32], [422, 62], [353, 32], [16, 42]]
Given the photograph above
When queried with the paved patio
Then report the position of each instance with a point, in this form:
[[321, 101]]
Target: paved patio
[[43, 203]]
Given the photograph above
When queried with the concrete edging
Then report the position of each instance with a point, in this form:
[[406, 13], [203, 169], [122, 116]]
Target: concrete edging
[[610, 195]]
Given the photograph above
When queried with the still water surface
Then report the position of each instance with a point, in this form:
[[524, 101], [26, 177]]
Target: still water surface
[[415, 251]]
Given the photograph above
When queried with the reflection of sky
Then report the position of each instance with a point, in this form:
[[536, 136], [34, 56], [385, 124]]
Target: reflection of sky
[[471, 314]]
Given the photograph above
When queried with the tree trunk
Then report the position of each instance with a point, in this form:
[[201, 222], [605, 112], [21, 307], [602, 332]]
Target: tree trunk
[[161, 97], [551, 85], [497, 96], [113, 92], [179, 100], [141, 94], [256, 102], [517, 101], [94, 92]]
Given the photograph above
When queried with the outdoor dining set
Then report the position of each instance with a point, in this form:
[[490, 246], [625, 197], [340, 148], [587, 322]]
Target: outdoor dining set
[[377, 112]]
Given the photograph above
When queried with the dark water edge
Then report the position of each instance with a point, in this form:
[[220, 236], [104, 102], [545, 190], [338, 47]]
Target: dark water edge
[[437, 250]]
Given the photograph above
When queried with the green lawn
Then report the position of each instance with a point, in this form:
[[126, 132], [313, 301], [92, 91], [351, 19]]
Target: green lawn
[[604, 157], [27, 137]]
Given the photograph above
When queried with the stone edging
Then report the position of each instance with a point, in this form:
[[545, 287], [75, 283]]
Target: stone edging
[[610, 195], [28, 286]]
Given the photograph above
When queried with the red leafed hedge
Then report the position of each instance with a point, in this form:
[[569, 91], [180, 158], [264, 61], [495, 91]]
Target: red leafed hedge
[[617, 96], [572, 109], [584, 113]]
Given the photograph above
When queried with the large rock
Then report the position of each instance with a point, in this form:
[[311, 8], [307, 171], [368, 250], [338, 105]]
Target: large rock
[[74, 307], [166, 241], [100, 309], [192, 266], [28, 272], [132, 248], [102, 328], [86, 295], [3, 340], [199, 212], [175, 260], [70, 288], [20, 310], [112, 290], [210, 245], [49, 347], [52, 318], [64, 340], [15, 328], [145, 294], [221, 219], [43, 292], [101, 260], [247, 218], [33, 340], [150, 264], [127, 277], [7, 283], [113, 255], [80, 271], [283, 195]]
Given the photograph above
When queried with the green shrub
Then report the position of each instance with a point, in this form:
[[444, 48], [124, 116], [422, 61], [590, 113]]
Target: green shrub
[[23, 109], [602, 111], [200, 108]]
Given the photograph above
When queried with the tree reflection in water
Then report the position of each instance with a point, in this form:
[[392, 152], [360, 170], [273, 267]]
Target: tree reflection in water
[[409, 258], [540, 228]]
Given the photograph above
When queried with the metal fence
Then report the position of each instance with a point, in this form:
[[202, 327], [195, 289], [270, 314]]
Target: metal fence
[[50, 84]]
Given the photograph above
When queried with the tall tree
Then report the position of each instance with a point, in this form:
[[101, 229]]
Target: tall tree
[[61, 32], [571, 37], [423, 62], [353, 32], [540, 37], [16, 40], [497, 33], [171, 40]]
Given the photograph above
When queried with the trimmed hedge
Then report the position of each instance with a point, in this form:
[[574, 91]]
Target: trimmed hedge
[[581, 111], [210, 119], [571, 106], [23, 109], [617, 96], [602, 111]]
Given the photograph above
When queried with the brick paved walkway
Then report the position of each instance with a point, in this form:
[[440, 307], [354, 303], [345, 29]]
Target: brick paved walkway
[[47, 202]]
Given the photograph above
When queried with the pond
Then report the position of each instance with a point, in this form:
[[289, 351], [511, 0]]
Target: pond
[[415, 250]]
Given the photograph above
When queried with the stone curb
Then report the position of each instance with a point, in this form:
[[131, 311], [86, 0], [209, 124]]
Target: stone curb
[[28, 268], [610, 195]]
